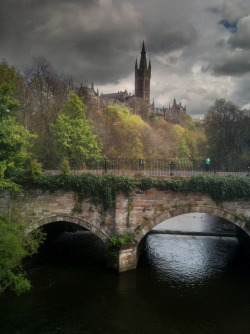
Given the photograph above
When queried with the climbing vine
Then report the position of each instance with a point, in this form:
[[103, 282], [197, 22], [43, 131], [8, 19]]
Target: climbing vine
[[102, 189], [130, 208]]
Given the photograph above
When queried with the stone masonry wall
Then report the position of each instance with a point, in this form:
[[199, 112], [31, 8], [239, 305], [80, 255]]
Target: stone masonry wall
[[137, 214], [152, 207]]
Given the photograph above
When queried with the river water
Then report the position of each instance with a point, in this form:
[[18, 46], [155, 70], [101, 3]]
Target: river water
[[183, 285]]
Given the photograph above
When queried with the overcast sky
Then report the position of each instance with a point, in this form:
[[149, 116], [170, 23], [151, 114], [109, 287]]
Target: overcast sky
[[199, 49]]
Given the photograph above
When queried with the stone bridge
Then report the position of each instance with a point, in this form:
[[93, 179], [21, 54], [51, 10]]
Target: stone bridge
[[137, 214]]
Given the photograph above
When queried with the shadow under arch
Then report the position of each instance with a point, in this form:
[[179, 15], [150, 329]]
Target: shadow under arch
[[75, 220], [229, 216]]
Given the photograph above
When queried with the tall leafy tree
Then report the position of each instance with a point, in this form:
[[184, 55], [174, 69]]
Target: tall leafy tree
[[15, 244], [74, 133], [14, 139], [122, 135], [8, 74], [42, 93], [227, 129]]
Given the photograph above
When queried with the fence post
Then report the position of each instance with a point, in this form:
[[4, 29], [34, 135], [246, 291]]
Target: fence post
[[171, 168], [105, 165]]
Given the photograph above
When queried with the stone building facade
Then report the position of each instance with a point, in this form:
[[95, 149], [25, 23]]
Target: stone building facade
[[139, 103]]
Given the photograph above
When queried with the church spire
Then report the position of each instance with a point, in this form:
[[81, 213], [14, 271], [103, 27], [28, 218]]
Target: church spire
[[143, 61], [142, 78]]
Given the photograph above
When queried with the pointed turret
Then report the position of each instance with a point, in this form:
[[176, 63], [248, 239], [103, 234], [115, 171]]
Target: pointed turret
[[136, 64]]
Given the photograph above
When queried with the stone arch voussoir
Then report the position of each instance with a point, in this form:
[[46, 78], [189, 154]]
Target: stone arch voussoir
[[149, 225], [75, 220]]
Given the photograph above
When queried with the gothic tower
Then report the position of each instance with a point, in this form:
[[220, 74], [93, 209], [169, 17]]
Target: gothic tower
[[142, 78]]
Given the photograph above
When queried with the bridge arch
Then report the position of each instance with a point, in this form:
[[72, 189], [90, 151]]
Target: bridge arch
[[150, 224], [75, 220]]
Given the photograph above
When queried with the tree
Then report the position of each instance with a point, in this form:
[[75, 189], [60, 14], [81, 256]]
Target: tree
[[74, 133], [185, 143], [122, 133], [42, 93], [8, 74], [15, 245], [14, 139], [8, 81], [227, 129], [7, 102]]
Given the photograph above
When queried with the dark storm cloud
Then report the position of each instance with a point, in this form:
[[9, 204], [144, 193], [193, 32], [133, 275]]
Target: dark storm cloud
[[98, 40], [164, 38], [235, 65], [78, 36]]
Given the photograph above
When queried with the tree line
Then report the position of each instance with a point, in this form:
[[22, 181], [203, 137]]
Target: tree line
[[46, 104]]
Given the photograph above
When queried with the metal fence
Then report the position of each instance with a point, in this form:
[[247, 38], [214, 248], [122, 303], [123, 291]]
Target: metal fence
[[152, 167]]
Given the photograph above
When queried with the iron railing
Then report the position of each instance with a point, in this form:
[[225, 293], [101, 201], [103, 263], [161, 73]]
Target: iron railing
[[152, 167]]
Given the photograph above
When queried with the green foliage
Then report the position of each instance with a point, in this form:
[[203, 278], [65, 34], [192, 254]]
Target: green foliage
[[104, 188], [120, 240], [65, 167], [8, 74], [14, 145], [8, 79], [74, 133], [123, 133], [15, 245], [34, 169], [14, 139], [7, 102]]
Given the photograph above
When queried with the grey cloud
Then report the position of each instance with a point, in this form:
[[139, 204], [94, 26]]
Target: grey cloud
[[233, 10], [242, 38], [98, 40], [237, 64], [80, 40], [241, 95], [214, 10], [165, 38]]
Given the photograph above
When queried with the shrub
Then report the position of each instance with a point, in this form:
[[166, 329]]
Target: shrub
[[34, 169], [119, 240], [65, 167]]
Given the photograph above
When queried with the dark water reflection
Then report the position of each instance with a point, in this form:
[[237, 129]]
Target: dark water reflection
[[183, 285]]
